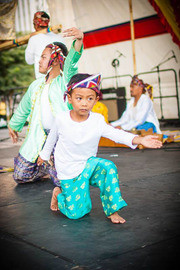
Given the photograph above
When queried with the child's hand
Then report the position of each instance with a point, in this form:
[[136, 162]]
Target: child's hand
[[73, 32], [40, 161], [151, 141]]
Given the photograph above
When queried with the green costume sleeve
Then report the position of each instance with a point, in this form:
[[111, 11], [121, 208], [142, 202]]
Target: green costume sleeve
[[22, 112], [71, 63]]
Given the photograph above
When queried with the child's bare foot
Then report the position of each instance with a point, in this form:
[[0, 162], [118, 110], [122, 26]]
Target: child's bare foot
[[54, 201], [115, 218]]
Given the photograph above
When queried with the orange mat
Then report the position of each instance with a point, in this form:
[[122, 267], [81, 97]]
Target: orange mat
[[104, 142]]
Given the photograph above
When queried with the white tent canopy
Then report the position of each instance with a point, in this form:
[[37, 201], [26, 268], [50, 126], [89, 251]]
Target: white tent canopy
[[150, 51]]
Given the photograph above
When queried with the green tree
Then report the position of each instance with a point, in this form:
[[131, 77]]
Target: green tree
[[14, 71]]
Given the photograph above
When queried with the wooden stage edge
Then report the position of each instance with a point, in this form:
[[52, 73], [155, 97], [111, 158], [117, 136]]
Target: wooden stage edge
[[104, 142]]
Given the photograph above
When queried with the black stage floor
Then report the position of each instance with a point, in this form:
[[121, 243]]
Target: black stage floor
[[33, 237]]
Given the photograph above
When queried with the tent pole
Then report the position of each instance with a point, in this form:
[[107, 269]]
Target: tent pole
[[132, 35]]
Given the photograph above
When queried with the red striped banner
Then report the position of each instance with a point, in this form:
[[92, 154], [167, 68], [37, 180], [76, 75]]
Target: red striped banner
[[145, 27]]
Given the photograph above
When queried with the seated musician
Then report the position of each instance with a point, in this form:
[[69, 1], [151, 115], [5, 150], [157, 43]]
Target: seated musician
[[139, 113]]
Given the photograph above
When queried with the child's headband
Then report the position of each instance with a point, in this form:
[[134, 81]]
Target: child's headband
[[92, 82]]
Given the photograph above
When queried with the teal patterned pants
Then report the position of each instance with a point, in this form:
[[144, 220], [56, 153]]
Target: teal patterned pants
[[75, 202]]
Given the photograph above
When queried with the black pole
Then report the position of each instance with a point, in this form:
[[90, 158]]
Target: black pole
[[159, 82], [160, 93], [115, 64]]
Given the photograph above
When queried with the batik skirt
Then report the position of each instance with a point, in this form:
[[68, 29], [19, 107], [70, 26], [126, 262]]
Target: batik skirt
[[26, 171]]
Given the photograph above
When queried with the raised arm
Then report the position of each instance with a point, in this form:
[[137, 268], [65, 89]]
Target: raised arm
[[77, 36], [71, 62]]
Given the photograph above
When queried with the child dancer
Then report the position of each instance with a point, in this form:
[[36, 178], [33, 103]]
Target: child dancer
[[76, 135]]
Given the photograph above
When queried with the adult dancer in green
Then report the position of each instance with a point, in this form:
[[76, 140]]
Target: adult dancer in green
[[41, 103]]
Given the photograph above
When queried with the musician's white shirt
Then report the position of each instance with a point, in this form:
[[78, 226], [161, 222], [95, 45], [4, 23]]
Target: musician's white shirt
[[134, 116]]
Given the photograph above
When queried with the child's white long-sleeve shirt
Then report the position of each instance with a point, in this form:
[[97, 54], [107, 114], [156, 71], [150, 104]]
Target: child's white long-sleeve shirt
[[76, 142]]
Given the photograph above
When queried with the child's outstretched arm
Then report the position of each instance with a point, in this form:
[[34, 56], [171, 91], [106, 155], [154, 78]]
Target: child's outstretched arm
[[149, 141], [129, 139]]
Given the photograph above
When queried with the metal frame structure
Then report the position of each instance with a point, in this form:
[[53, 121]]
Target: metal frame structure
[[161, 97], [158, 71]]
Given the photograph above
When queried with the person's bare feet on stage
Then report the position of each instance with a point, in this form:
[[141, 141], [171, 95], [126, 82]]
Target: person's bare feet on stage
[[54, 201], [115, 218]]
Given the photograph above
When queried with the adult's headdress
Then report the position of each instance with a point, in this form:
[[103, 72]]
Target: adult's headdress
[[56, 53], [41, 18], [92, 82], [146, 87]]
